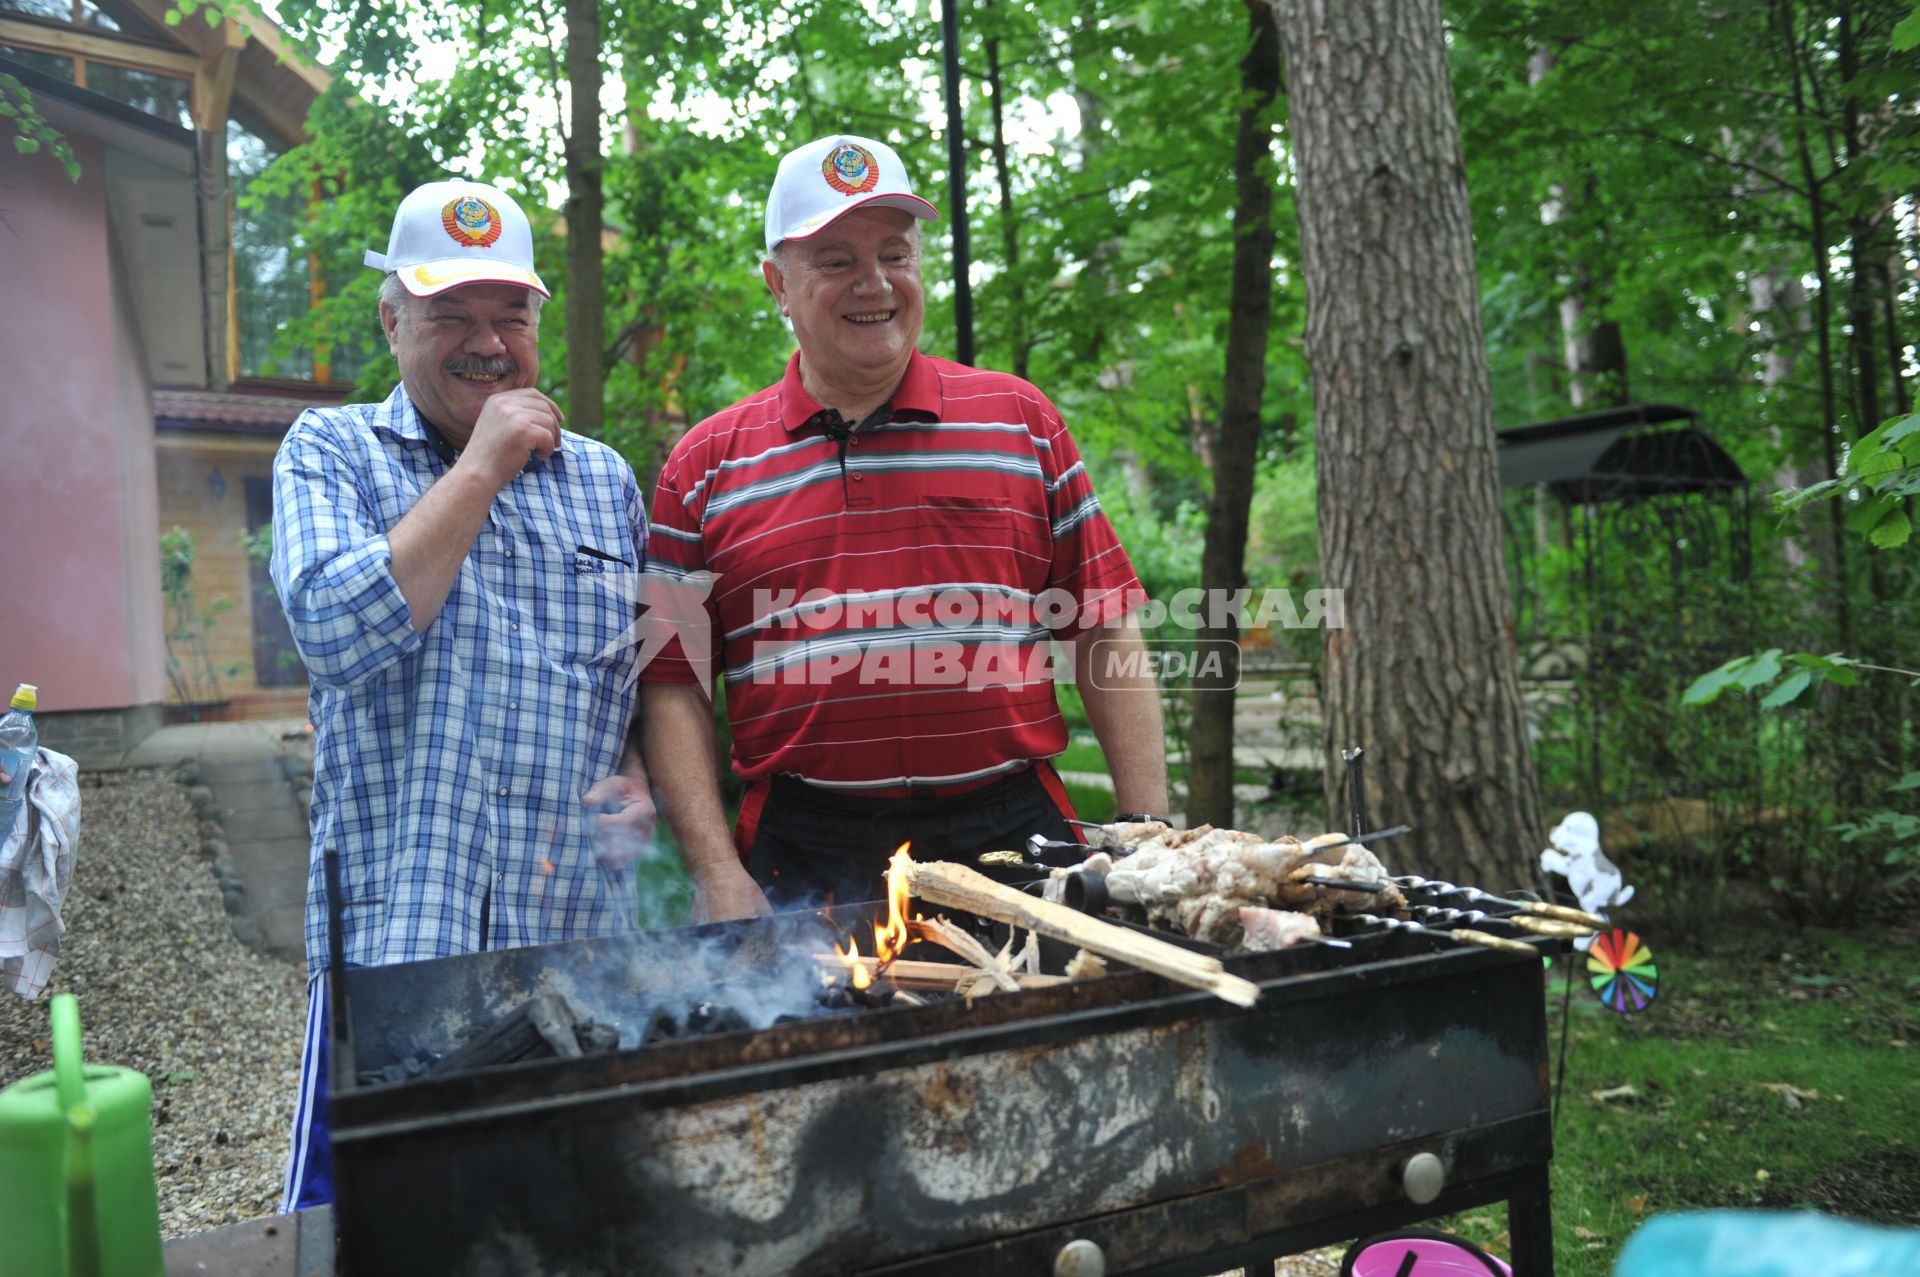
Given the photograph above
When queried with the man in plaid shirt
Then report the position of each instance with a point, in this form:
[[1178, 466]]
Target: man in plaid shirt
[[459, 573]]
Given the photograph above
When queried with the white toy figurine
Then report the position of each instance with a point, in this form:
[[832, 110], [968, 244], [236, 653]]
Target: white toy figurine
[[1576, 854]]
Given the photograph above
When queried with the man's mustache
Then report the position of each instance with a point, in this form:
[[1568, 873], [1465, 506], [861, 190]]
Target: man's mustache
[[485, 365]]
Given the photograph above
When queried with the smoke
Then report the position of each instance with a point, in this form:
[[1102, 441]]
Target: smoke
[[764, 970]]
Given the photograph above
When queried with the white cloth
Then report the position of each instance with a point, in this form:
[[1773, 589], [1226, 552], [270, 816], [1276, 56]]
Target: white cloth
[[36, 868]]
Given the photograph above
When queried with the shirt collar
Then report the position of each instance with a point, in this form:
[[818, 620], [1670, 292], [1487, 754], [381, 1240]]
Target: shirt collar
[[399, 418], [917, 397]]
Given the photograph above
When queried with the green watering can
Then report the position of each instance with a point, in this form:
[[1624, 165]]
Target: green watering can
[[77, 1196]]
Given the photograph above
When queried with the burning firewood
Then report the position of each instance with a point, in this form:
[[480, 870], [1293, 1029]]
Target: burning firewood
[[959, 887], [948, 936], [908, 973], [1085, 966]]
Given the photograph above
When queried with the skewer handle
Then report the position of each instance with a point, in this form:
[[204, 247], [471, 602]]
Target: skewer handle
[[1486, 941], [1548, 927], [1565, 914]]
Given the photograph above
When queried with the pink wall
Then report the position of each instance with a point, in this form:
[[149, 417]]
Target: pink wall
[[79, 586]]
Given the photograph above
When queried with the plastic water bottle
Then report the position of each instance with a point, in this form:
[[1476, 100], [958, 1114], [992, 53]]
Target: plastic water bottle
[[19, 746]]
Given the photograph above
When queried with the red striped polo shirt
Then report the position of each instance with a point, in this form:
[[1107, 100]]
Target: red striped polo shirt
[[883, 618]]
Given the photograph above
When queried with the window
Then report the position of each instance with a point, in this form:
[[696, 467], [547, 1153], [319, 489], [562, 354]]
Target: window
[[273, 273], [270, 281], [160, 95], [46, 63], [58, 10]]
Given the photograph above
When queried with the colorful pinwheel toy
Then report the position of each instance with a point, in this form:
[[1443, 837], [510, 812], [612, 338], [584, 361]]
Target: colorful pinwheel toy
[[1621, 968]]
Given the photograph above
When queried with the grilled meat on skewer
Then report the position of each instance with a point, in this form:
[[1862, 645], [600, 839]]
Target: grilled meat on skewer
[[1265, 929]]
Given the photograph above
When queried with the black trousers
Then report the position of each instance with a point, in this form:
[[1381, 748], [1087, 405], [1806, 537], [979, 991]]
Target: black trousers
[[813, 847]]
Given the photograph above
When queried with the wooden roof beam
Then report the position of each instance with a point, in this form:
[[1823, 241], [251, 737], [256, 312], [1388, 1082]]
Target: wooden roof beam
[[196, 34], [213, 78], [101, 46]]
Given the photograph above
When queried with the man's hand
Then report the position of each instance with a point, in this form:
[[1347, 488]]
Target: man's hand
[[431, 541], [514, 426], [725, 892], [622, 818]]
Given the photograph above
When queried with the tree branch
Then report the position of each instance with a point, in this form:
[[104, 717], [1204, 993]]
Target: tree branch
[[1742, 166]]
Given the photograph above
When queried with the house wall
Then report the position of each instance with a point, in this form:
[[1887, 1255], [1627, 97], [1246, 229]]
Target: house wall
[[79, 592]]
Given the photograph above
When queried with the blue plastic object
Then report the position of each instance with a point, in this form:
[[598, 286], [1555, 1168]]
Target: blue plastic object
[[1735, 1243]]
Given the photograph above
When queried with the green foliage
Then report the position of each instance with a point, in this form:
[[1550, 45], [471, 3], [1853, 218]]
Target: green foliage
[[1907, 34], [1881, 477], [1787, 675], [1165, 549], [31, 132], [1897, 831], [190, 669], [1686, 1106]]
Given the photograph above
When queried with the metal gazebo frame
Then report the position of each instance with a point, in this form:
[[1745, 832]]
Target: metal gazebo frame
[[1639, 484]]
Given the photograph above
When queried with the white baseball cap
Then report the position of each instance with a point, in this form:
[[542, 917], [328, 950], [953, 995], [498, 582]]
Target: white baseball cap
[[446, 234], [825, 180]]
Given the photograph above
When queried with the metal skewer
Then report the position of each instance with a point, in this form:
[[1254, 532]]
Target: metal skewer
[[1356, 786], [1521, 921], [1464, 936], [1474, 895]]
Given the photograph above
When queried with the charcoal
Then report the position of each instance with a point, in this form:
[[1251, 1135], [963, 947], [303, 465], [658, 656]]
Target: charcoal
[[844, 997], [534, 1030], [662, 1026], [399, 1071], [596, 1038], [711, 1017]]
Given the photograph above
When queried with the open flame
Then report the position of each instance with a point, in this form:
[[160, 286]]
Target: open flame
[[890, 939]]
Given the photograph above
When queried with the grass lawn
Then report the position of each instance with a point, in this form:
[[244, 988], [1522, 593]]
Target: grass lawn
[[1776, 1070]]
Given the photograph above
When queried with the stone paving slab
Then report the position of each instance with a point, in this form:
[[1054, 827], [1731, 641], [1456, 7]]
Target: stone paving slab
[[251, 771]]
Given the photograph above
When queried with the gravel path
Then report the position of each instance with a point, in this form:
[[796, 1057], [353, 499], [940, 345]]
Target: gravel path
[[166, 989]]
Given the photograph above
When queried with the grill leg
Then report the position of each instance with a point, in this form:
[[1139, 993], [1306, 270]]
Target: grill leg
[[1530, 1224]]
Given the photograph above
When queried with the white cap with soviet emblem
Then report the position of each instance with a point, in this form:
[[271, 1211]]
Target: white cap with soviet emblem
[[829, 178], [446, 234]]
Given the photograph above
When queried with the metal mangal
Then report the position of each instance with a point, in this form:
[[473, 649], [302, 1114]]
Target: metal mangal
[[1172, 1132]]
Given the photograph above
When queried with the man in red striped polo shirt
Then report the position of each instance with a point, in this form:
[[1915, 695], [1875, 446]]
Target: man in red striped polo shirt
[[887, 545]]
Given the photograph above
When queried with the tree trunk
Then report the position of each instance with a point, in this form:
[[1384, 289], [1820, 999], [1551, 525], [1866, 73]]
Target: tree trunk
[[1423, 672], [1009, 225], [586, 312], [1594, 349], [1237, 442], [1085, 37], [1798, 72]]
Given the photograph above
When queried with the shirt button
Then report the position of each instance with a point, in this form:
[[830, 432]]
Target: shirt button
[[503, 791], [508, 552], [854, 441], [514, 626], [858, 478], [513, 704]]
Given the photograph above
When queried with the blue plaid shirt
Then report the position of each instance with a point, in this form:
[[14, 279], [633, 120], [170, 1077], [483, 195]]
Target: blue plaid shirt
[[449, 764]]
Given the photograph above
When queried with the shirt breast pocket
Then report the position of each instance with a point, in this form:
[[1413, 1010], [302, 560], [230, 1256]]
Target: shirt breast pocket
[[592, 600], [983, 539]]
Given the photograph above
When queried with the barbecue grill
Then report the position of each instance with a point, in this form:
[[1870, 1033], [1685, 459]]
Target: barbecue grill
[[1121, 1124]]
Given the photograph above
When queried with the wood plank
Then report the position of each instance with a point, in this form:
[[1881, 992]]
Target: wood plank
[[213, 79], [943, 975], [959, 887], [100, 46]]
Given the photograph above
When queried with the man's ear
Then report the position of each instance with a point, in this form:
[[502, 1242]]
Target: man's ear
[[390, 324], [776, 283]]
